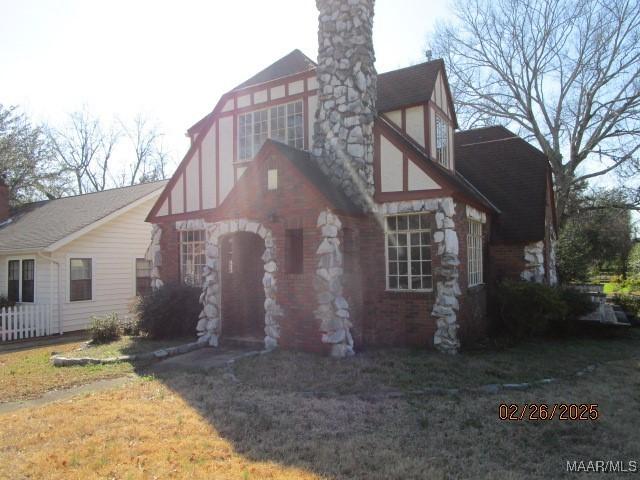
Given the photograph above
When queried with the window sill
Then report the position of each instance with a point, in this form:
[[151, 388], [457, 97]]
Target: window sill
[[80, 301], [477, 286]]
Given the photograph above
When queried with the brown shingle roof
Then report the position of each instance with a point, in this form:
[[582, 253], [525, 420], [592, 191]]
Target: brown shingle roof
[[293, 62], [407, 86], [512, 174], [38, 225]]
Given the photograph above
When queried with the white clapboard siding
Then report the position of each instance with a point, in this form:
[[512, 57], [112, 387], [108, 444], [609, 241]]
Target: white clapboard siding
[[24, 321]]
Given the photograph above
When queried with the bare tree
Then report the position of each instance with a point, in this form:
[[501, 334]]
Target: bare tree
[[84, 148], [150, 157], [564, 72]]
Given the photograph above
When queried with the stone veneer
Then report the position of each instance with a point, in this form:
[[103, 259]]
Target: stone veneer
[[343, 132], [446, 276], [154, 254], [209, 323], [333, 308], [534, 262]]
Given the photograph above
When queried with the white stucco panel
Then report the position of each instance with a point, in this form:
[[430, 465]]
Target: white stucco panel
[[296, 87], [415, 123], [277, 92], [419, 180], [260, 96], [226, 156], [177, 196], [391, 179]]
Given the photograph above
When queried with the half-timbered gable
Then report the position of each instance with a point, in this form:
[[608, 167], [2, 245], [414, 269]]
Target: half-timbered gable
[[321, 205]]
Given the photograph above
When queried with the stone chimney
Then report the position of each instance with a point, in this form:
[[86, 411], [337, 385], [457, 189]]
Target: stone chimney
[[343, 133], [5, 212]]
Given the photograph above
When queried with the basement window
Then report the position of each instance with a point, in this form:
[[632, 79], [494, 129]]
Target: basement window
[[293, 242], [408, 247]]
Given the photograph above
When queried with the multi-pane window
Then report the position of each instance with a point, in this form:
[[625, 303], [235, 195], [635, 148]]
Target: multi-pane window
[[474, 253], [408, 243], [21, 280], [192, 257], [284, 123], [80, 284], [442, 141], [143, 276]]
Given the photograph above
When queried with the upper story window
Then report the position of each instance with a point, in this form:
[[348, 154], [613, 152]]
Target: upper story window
[[474, 253], [408, 243], [192, 257], [284, 123], [21, 280], [442, 142]]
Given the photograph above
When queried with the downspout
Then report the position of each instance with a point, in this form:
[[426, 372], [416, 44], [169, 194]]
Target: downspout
[[44, 257]]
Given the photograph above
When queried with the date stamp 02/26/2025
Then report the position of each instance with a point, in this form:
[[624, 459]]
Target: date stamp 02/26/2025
[[534, 412]]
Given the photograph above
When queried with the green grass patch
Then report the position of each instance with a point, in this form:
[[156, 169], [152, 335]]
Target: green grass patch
[[128, 346]]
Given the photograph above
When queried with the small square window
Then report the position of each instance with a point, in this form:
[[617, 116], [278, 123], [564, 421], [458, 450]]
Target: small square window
[[272, 179]]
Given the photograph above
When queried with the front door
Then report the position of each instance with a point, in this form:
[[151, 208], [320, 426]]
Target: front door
[[242, 290]]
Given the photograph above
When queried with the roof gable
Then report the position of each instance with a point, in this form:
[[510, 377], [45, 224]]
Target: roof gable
[[292, 63], [47, 224], [304, 164]]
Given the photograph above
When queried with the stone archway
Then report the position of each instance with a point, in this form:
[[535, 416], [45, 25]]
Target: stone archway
[[209, 325]]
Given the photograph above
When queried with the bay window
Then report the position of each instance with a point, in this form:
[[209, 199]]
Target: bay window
[[408, 245]]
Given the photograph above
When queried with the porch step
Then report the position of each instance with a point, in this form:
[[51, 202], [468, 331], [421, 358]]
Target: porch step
[[254, 342]]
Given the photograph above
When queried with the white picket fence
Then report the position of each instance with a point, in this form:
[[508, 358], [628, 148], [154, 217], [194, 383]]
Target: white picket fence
[[25, 321]]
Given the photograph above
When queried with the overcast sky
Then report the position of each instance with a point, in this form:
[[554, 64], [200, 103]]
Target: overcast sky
[[171, 60]]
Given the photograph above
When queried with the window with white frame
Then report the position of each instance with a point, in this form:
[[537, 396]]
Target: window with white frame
[[80, 279], [442, 141], [474, 253], [143, 276], [192, 257], [408, 244], [284, 123], [21, 280]]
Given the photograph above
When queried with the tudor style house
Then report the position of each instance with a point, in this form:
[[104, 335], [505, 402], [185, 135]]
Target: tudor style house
[[330, 208]]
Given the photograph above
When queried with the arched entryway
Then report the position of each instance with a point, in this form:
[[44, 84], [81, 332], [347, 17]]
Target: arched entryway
[[242, 270]]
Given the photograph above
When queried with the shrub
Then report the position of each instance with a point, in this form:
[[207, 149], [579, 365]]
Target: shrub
[[629, 303], [526, 309], [104, 329], [130, 325], [531, 309], [5, 302], [170, 311]]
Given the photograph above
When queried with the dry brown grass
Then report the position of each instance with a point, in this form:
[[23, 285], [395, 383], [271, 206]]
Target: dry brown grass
[[205, 426], [28, 372]]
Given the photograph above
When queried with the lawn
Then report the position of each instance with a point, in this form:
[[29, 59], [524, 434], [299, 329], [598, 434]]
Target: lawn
[[279, 422], [28, 373], [127, 345]]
